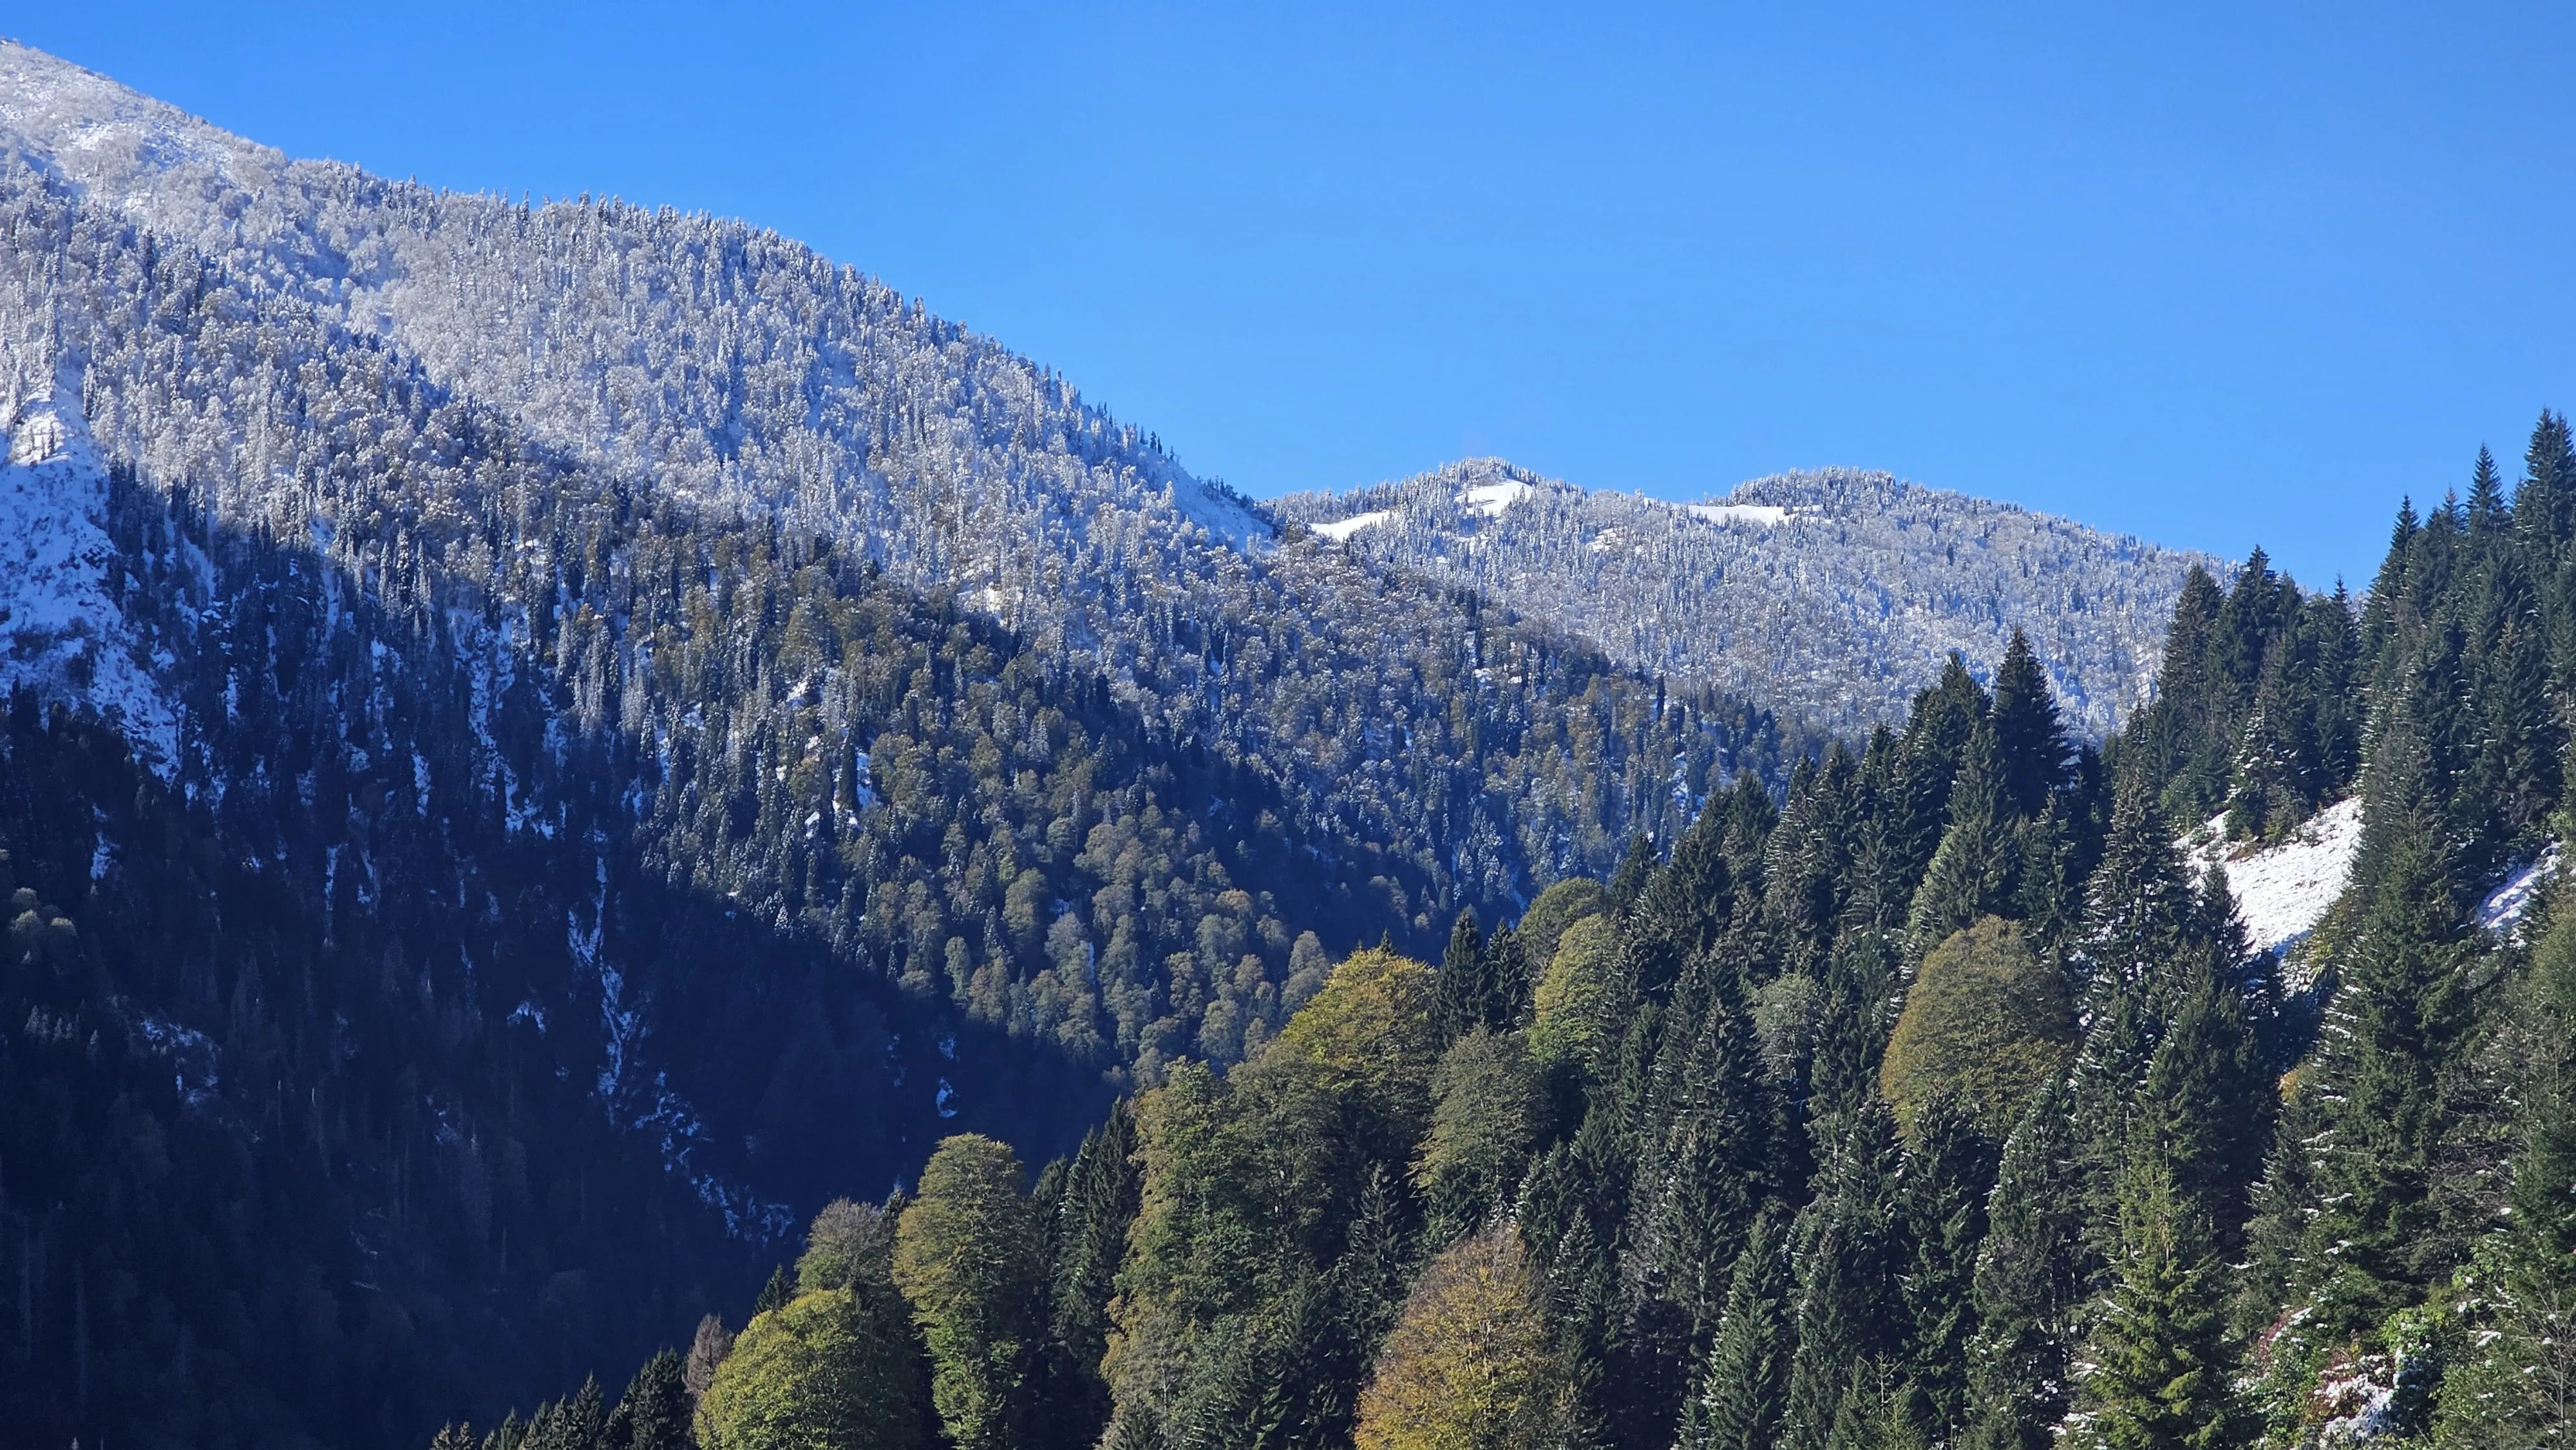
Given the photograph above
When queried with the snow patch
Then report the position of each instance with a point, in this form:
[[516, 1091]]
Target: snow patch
[[2509, 903], [2283, 891], [1762, 515], [1341, 529], [1490, 499], [61, 631]]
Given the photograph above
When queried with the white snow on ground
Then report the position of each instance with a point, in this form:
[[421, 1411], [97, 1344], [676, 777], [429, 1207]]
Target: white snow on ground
[[1490, 499], [1764, 514], [2510, 902], [2283, 891], [59, 629], [1222, 517], [1341, 529]]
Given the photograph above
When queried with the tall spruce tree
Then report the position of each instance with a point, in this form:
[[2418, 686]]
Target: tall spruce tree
[[1973, 873], [2031, 750], [2157, 1372], [1851, 1249], [2390, 1032], [2028, 1282], [1743, 1384], [1949, 1169]]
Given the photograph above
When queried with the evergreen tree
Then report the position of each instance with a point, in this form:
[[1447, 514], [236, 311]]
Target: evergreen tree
[[2031, 751], [2515, 1383], [2207, 1110], [2390, 1031], [1850, 1250], [1463, 985], [654, 1411], [2028, 1282], [1949, 1168], [2156, 1372], [1973, 873], [1743, 1383], [1099, 1203]]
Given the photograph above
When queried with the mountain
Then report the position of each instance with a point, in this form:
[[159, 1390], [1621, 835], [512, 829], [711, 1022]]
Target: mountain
[[1955, 1096], [547, 743], [1831, 595]]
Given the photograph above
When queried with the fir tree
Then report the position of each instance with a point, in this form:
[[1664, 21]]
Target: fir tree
[[2028, 1282], [1850, 1250], [654, 1411], [1744, 1381], [2156, 1372], [2031, 751], [1949, 1168], [1463, 988], [2390, 1031], [1972, 874]]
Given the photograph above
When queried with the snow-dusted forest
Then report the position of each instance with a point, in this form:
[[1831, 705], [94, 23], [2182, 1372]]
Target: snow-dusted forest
[[1833, 595]]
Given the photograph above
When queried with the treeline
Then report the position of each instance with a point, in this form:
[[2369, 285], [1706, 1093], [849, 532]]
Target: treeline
[[1937, 1104]]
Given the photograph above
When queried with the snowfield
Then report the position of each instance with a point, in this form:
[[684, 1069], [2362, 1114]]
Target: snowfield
[[1344, 528], [2283, 891], [1763, 515]]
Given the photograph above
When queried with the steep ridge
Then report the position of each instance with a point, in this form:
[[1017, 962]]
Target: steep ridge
[[1834, 594], [637, 775]]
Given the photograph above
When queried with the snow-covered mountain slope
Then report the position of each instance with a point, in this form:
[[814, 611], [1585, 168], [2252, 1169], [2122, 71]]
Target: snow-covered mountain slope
[[725, 364], [62, 629], [2282, 891], [1836, 594]]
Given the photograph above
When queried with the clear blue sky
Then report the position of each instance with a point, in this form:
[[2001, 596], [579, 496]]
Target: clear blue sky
[[2213, 276]]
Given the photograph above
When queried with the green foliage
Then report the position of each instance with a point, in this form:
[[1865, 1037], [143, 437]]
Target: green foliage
[[966, 1254], [828, 1369], [1092, 1219], [2028, 1281], [1576, 1014], [1486, 1112], [848, 1244], [654, 1412], [1560, 906], [1743, 1385], [1986, 1022], [2157, 1371], [1471, 1364]]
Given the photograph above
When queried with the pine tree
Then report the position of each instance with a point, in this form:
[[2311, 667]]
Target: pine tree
[[2031, 750], [1743, 1384], [1101, 1193], [775, 1293], [1972, 874], [2207, 1110], [2390, 1031], [655, 1407], [1850, 1250], [2157, 1370], [1703, 1177], [2028, 1282], [2515, 1383], [1462, 987], [1949, 1168]]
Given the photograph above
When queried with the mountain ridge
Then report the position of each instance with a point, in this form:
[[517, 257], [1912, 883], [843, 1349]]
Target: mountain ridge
[[1834, 592]]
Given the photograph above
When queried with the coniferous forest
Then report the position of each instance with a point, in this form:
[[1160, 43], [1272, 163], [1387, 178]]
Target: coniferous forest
[[616, 838], [1929, 1101]]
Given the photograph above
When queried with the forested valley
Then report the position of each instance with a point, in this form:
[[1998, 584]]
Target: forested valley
[[616, 837], [1933, 1102]]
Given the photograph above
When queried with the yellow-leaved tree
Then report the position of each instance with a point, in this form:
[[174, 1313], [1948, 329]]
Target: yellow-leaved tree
[[1472, 1363]]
